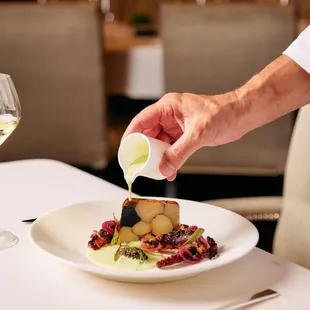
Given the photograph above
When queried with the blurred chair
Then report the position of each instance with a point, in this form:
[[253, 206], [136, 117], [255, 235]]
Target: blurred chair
[[292, 234], [214, 48], [54, 56]]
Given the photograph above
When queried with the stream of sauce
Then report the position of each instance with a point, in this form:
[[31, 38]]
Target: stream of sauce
[[105, 257], [132, 170]]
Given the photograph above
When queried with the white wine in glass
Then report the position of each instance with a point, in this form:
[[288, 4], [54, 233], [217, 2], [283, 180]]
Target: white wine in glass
[[10, 113]]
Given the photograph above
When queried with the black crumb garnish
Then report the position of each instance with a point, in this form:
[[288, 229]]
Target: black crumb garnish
[[131, 252]]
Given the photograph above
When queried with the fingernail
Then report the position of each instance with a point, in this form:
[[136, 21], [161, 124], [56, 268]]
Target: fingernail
[[167, 169]]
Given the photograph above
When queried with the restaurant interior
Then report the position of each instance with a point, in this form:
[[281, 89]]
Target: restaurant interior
[[84, 69]]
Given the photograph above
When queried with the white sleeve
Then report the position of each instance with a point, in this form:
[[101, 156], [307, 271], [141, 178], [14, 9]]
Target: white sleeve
[[299, 50]]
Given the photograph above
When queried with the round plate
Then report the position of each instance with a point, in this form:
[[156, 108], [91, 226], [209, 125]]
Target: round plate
[[64, 233]]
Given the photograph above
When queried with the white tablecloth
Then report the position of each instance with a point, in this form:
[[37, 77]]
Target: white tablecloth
[[30, 279]]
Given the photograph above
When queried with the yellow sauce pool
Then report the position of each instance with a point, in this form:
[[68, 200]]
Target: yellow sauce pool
[[105, 257]]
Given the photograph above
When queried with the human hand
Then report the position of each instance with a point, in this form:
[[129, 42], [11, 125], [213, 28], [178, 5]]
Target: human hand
[[188, 122]]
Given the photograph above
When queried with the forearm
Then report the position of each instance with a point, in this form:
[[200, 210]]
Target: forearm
[[283, 86]]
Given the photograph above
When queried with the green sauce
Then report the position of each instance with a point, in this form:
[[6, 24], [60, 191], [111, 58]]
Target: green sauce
[[105, 257], [136, 166]]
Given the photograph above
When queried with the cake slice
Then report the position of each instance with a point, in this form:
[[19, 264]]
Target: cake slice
[[142, 217]]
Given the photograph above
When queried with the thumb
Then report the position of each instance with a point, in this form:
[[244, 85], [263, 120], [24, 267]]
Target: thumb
[[177, 154]]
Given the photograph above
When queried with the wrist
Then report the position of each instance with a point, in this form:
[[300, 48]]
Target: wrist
[[232, 112], [247, 96]]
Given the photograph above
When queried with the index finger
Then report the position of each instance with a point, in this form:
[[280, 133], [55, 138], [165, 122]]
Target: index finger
[[147, 120]]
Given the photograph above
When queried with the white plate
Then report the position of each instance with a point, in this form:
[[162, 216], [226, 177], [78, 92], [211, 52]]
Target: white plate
[[64, 233]]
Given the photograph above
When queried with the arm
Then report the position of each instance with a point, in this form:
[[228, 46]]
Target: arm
[[283, 86]]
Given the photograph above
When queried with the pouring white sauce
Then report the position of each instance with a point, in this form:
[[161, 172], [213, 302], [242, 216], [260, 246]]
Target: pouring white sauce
[[142, 154]]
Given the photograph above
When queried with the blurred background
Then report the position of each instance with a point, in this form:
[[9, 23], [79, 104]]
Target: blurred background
[[83, 69]]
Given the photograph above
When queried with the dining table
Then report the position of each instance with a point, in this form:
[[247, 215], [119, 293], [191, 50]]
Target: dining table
[[32, 279]]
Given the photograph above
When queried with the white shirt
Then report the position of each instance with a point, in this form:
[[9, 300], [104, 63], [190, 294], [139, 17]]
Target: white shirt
[[299, 50]]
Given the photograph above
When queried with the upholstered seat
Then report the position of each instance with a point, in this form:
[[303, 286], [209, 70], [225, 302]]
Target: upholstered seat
[[292, 237], [54, 55], [253, 208]]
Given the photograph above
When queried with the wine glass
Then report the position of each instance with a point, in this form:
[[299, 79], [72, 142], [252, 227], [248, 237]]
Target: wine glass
[[10, 113]]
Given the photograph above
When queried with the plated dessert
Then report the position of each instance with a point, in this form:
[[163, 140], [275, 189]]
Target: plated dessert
[[149, 235]]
